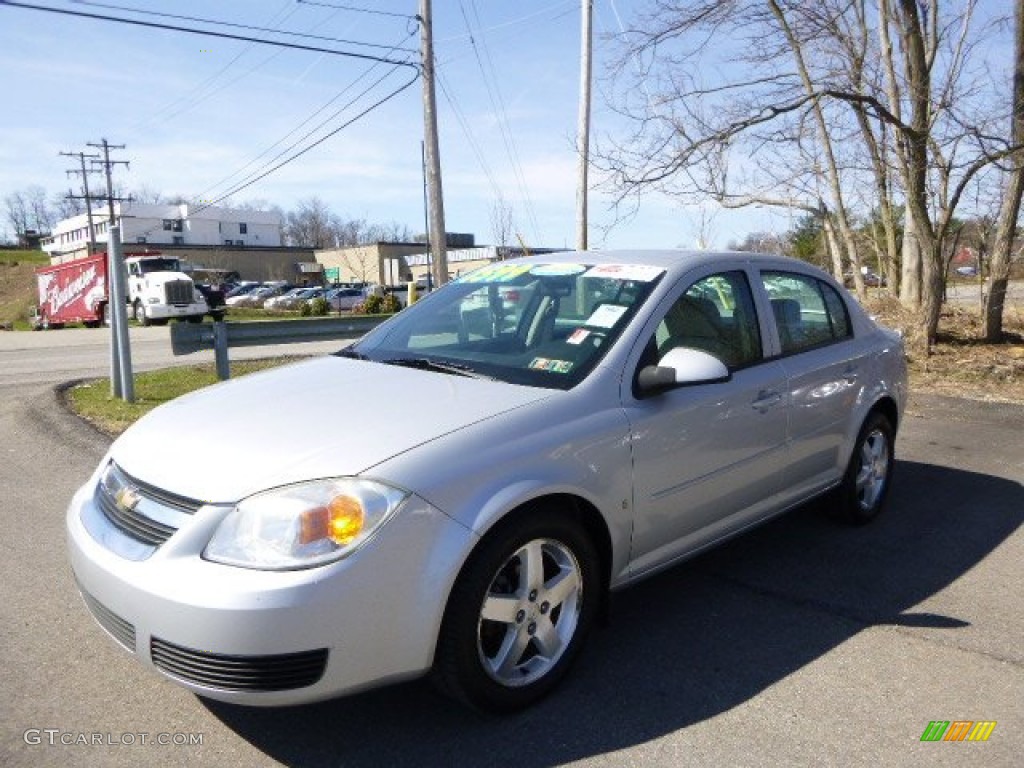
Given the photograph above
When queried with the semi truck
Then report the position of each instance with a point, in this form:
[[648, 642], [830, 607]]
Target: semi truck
[[156, 290]]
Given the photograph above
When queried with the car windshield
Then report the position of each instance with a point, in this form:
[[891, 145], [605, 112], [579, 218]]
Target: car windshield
[[543, 325]]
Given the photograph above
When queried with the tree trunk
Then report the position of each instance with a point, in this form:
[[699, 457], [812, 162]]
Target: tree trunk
[[1002, 250]]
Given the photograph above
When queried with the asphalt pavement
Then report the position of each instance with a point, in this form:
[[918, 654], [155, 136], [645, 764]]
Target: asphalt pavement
[[805, 642]]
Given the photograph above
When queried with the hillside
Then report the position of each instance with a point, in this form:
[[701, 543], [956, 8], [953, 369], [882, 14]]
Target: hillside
[[17, 285]]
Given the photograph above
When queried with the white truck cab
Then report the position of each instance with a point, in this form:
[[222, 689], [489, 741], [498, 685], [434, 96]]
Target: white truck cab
[[158, 290]]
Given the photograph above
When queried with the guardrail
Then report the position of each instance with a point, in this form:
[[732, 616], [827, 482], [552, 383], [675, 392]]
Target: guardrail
[[187, 338]]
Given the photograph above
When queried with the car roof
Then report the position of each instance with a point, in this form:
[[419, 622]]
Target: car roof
[[674, 261]]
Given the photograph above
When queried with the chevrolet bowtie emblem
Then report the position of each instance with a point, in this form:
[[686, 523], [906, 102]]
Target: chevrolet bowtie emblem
[[127, 498]]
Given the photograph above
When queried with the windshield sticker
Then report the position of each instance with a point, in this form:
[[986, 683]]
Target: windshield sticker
[[495, 273], [558, 270], [555, 366], [641, 272], [606, 315], [578, 336]]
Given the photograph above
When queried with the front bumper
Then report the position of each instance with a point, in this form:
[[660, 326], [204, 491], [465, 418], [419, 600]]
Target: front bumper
[[273, 638], [168, 311]]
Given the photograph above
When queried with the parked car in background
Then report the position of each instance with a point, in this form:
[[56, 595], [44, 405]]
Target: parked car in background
[[258, 298], [339, 299], [593, 419], [871, 279], [293, 299], [235, 297], [241, 288]]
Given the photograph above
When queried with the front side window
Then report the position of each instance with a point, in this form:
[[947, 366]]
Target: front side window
[[808, 312], [536, 324], [715, 315]]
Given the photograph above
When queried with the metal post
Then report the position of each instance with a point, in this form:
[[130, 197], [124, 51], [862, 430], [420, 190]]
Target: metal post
[[583, 130], [115, 317], [438, 237], [220, 350], [119, 315]]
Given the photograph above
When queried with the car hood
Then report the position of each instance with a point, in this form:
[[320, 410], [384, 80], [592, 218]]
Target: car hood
[[327, 417]]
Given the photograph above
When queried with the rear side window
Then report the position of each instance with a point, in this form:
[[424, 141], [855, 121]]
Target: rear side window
[[808, 312]]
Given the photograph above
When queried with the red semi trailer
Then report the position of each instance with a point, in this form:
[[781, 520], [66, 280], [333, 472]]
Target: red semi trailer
[[77, 291]]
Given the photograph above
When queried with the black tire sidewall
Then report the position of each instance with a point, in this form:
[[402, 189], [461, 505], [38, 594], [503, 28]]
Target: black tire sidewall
[[851, 508], [457, 669]]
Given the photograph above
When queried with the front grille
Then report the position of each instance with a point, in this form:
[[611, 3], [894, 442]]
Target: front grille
[[131, 522], [124, 501], [178, 291], [121, 630], [239, 673]]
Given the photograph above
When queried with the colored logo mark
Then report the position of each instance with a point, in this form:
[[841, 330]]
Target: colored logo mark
[[958, 730]]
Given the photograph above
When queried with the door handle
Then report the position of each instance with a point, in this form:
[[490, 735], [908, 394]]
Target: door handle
[[765, 400]]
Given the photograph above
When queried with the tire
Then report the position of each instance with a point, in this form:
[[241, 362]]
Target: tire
[[196, 319], [139, 314], [861, 495], [507, 638]]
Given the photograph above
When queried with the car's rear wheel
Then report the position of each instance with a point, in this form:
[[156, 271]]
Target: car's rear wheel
[[518, 614], [864, 489]]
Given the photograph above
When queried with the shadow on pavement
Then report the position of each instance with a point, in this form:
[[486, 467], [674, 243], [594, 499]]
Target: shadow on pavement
[[687, 645]]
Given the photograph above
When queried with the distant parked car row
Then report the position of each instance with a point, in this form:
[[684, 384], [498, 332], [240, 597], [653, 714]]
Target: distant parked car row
[[285, 296]]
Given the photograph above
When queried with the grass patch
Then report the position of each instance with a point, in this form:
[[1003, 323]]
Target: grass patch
[[12, 256], [93, 402]]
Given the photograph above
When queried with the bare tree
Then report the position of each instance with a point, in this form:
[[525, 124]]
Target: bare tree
[[1006, 230], [311, 225], [502, 222], [820, 99], [64, 206], [18, 212]]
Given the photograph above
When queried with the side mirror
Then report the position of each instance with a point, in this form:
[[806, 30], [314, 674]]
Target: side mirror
[[680, 367]]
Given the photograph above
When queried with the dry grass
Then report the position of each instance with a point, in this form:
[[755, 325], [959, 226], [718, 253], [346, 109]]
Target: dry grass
[[959, 364]]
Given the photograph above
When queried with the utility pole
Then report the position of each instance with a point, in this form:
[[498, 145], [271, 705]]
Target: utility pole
[[437, 235], [106, 162], [85, 188], [583, 130]]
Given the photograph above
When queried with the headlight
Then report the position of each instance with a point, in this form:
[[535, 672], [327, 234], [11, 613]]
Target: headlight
[[302, 526]]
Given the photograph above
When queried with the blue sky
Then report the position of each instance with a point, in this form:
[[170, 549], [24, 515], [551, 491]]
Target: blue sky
[[195, 112]]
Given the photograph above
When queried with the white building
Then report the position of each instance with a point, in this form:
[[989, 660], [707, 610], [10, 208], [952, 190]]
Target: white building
[[180, 224]]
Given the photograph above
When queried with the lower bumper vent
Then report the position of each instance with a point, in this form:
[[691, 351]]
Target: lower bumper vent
[[121, 630], [239, 673]]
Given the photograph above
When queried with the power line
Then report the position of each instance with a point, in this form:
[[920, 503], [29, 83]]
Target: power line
[[318, 142], [234, 25], [257, 175], [305, 122], [208, 33], [498, 104], [358, 9], [187, 101]]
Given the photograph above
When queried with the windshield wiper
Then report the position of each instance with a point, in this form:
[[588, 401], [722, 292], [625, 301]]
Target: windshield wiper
[[426, 364], [349, 352]]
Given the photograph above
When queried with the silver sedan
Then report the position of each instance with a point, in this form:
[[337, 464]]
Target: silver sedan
[[538, 433]]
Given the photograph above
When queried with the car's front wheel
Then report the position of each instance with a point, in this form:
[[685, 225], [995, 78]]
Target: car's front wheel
[[518, 613], [865, 486]]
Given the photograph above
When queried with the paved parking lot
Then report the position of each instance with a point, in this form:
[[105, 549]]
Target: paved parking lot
[[804, 643]]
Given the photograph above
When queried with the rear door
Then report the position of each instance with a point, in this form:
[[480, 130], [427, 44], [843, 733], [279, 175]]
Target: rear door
[[824, 370]]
